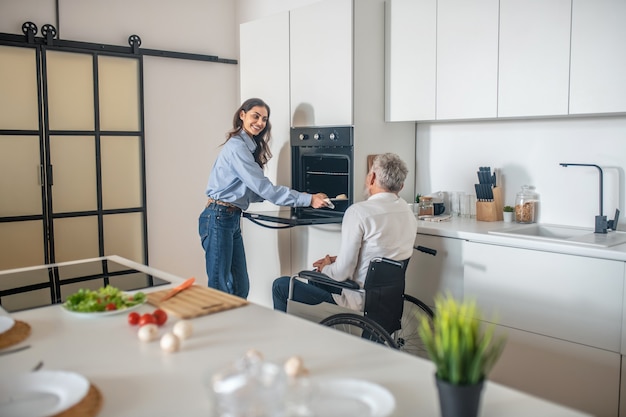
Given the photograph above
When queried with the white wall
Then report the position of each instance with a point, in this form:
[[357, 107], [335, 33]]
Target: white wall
[[529, 152], [188, 104]]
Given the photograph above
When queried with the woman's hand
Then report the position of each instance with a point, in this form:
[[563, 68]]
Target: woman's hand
[[318, 200]]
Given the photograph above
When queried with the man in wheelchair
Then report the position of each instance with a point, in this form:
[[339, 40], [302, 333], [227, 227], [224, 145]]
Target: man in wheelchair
[[381, 226]]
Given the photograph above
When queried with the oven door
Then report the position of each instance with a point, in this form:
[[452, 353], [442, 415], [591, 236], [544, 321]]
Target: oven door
[[291, 217]]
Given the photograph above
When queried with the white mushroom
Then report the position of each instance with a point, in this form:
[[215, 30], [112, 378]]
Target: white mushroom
[[170, 342], [254, 355], [183, 329], [294, 367], [148, 332]]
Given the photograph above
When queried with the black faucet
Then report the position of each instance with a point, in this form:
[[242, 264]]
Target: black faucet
[[602, 224]]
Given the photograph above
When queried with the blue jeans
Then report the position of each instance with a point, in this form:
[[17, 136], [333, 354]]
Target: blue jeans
[[220, 234], [308, 293]]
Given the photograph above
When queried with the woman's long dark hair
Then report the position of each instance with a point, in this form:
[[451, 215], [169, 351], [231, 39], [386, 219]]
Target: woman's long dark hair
[[262, 153]]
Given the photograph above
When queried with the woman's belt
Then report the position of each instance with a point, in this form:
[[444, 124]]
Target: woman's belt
[[231, 207]]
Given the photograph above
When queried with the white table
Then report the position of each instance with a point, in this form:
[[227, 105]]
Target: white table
[[139, 379]]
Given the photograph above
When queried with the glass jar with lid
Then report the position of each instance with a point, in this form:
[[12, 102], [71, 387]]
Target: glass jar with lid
[[526, 205], [427, 207]]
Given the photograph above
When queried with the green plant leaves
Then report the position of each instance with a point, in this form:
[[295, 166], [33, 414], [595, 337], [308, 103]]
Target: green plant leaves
[[463, 352]]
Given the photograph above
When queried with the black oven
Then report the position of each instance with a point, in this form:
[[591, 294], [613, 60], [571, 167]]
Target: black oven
[[321, 162]]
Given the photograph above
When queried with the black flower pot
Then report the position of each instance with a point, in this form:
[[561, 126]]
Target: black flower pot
[[459, 400]]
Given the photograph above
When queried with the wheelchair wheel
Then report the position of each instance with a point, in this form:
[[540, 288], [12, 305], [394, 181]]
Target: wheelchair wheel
[[360, 326], [408, 338]]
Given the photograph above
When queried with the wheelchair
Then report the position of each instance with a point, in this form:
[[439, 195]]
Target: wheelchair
[[390, 317]]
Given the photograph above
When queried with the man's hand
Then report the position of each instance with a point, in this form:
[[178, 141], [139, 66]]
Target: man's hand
[[321, 263]]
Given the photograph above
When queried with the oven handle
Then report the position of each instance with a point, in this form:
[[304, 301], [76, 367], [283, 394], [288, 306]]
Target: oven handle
[[255, 221]]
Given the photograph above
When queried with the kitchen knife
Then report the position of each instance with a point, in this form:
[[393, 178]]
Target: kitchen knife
[[188, 283], [479, 195]]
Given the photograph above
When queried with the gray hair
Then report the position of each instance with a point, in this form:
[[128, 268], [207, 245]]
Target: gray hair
[[391, 171]]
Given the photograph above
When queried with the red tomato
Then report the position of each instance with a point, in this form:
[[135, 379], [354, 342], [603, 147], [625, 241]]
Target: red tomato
[[133, 318], [160, 316], [146, 318], [110, 306]]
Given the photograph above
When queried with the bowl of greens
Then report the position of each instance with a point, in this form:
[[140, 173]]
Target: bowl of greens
[[104, 301]]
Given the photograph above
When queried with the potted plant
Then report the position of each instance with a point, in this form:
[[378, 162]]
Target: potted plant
[[463, 350], [507, 212]]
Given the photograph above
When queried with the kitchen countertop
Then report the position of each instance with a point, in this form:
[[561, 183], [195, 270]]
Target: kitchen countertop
[[477, 231], [138, 379]]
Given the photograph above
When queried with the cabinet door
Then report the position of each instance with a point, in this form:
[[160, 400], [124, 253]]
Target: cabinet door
[[264, 73], [467, 59], [622, 391], [428, 275], [321, 64], [533, 76], [598, 62], [571, 374], [411, 52], [573, 298]]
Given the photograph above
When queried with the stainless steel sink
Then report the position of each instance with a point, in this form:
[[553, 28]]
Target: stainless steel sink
[[563, 234]]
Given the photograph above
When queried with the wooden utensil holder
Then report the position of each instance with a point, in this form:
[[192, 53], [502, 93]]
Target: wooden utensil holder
[[490, 211]]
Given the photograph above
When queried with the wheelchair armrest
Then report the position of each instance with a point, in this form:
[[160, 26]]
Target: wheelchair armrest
[[325, 279]]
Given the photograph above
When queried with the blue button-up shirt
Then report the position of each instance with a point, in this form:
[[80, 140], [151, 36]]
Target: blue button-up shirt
[[236, 178]]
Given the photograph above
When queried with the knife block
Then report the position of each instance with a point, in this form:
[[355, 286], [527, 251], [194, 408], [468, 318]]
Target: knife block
[[490, 211]]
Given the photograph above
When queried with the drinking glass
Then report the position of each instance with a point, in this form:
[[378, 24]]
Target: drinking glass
[[464, 205], [472, 205], [248, 390], [455, 203]]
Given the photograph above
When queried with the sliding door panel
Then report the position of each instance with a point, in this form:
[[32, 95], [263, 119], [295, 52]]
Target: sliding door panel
[[76, 238], [73, 160], [119, 93], [20, 172], [70, 91], [21, 244], [122, 182], [123, 235], [19, 107]]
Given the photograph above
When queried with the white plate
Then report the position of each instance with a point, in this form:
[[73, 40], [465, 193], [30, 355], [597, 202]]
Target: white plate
[[41, 393], [102, 313], [351, 398], [6, 323]]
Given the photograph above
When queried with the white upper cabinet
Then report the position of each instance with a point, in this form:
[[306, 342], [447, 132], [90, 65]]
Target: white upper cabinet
[[467, 59], [598, 62], [321, 64], [411, 53], [534, 57], [264, 73]]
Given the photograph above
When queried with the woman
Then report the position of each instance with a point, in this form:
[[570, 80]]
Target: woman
[[236, 180]]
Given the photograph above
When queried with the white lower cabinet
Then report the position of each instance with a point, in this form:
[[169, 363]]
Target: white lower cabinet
[[575, 375], [268, 256], [428, 275], [573, 298], [564, 317], [310, 243], [622, 391]]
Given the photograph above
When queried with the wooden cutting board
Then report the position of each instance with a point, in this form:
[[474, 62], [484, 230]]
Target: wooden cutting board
[[195, 301]]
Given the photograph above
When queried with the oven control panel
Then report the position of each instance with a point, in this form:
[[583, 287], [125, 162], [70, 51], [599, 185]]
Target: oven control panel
[[322, 136]]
